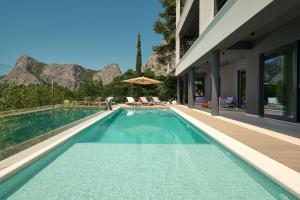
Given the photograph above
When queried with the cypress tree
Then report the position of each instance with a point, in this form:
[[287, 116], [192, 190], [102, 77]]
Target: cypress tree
[[138, 66]]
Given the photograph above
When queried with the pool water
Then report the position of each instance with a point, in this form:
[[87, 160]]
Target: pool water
[[141, 154], [19, 128]]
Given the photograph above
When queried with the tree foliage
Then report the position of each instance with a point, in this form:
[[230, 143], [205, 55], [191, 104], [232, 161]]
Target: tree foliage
[[14, 97], [89, 88], [139, 56], [166, 26], [120, 90]]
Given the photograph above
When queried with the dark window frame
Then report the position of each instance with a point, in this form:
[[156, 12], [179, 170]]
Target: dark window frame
[[238, 86], [296, 82]]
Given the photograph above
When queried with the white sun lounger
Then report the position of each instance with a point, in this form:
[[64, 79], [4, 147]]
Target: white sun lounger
[[157, 101], [144, 100], [131, 101]]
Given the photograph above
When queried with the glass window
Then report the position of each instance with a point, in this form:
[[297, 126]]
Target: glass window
[[278, 84], [200, 86]]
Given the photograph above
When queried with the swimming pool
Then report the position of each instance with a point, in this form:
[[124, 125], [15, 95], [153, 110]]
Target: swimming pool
[[21, 127], [141, 154]]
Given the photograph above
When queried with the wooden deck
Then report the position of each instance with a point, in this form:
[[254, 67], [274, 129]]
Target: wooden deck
[[279, 150]]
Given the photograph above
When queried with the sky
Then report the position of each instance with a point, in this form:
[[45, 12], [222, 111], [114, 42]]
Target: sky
[[91, 33]]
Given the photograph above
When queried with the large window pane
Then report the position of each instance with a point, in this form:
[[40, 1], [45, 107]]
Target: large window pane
[[278, 83]]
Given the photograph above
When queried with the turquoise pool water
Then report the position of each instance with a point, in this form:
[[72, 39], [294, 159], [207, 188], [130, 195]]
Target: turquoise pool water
[[141, 154], [19, 128]]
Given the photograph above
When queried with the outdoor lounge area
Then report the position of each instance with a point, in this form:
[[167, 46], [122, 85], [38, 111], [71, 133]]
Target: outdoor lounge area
[[255, 72], [207, 108]]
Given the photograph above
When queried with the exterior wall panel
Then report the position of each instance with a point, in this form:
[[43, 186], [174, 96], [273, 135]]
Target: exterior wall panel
[[229, 78], [207, 12], [233, 15]]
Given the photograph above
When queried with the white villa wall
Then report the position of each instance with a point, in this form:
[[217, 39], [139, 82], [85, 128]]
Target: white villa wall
[[207, 13], [229, 78], [177, 12]]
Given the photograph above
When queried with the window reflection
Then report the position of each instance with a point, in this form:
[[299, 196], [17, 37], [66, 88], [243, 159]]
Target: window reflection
[[278, 83]]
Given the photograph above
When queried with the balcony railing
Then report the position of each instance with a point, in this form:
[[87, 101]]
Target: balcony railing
[[186, 44]]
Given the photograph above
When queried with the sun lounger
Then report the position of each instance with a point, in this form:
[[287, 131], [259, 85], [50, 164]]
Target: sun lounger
[[131, 101], [157, 101], [200, 100], [227, 102], [145, 101]]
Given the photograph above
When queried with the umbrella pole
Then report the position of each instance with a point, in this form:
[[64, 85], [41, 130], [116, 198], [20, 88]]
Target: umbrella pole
[[131, 88]]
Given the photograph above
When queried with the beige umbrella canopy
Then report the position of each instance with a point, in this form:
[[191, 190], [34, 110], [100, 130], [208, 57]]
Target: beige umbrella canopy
[[142, 81]]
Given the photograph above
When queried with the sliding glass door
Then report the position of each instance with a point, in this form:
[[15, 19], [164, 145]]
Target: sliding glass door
[[279, 84]]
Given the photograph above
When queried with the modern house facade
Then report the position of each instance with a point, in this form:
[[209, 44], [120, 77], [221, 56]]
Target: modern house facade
[[248, 50]]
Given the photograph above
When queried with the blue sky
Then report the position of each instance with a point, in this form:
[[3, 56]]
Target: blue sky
[[91, 33]]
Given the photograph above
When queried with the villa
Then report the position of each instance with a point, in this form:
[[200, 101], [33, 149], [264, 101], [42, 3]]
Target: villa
[[233, 133], [246, 50]]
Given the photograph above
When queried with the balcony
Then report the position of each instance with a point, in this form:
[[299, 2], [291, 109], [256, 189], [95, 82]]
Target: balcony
[[186, 44], [231, 17], [187, 9]]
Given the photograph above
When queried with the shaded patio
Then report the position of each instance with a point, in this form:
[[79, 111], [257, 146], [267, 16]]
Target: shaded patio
[[283, 127]]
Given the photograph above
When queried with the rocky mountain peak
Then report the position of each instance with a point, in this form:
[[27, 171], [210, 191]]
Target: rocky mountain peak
[[160, 69], [108, 73], [23, 72], [66, 75], [30, 71]]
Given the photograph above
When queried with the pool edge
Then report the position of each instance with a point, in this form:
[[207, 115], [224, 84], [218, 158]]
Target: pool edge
[[288, 178]]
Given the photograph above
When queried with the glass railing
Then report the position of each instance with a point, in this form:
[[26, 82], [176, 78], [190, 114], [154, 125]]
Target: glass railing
[[186, 45], [31, 113]]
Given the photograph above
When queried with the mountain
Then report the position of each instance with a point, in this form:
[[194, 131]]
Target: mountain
[[161, 66], [24, 72], [107, 74], [30, 71]]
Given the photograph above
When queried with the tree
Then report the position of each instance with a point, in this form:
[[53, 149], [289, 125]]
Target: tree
[[139, 56], [89, 87], [166, 26]]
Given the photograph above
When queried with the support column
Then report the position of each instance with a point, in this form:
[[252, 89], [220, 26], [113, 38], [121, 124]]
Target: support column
[[177, 49], [215, 77], [184, 87], [191, 88], [178, 90]]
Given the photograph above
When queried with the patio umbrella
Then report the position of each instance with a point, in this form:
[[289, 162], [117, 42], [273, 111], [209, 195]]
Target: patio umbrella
[[141, 81]]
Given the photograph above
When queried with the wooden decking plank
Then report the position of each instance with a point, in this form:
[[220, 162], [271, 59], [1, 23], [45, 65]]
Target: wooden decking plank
[[279, 150]]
